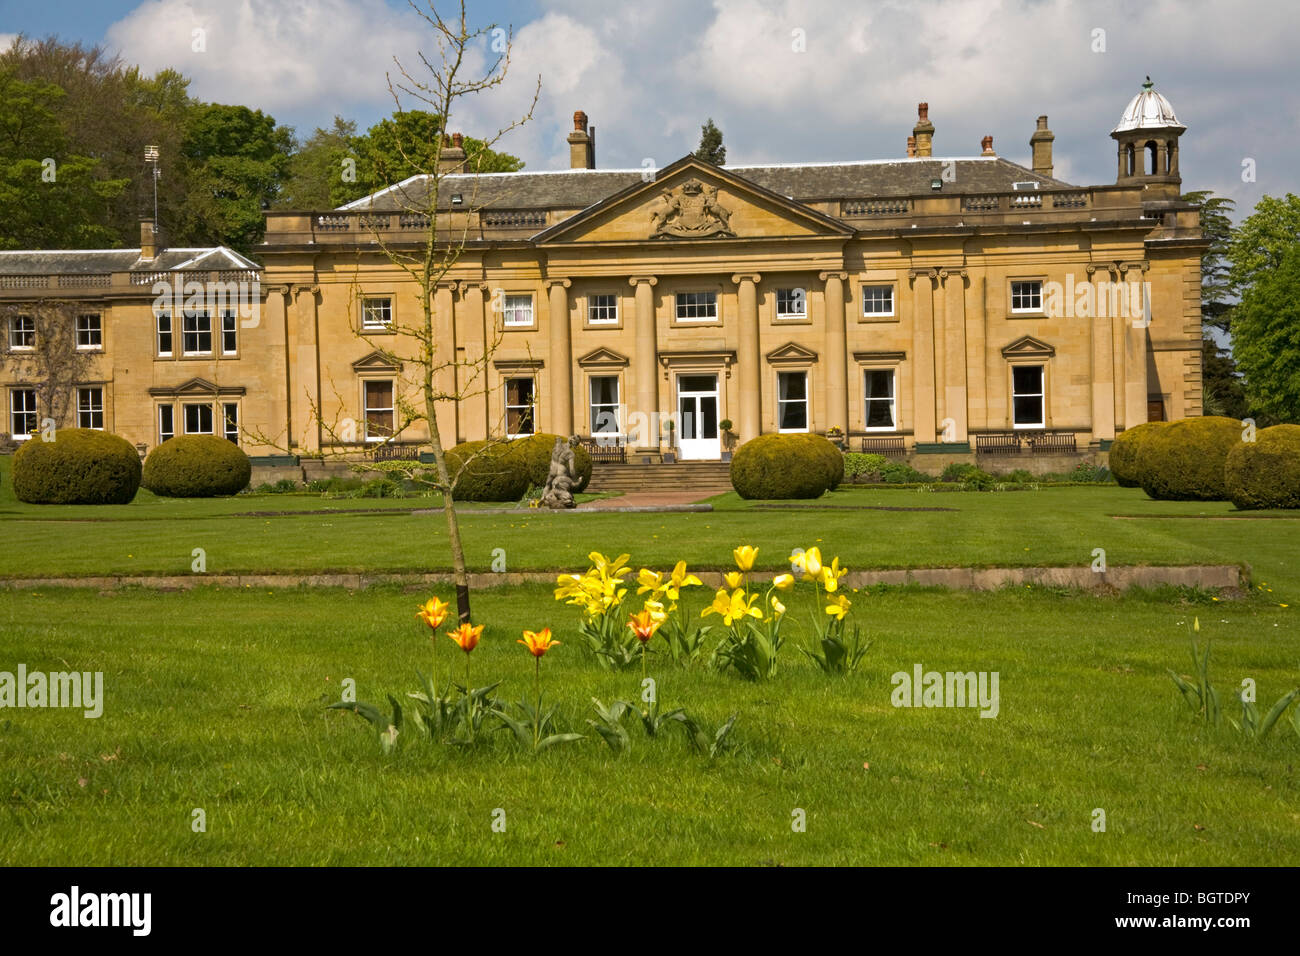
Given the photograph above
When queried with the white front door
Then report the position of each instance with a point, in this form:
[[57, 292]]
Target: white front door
[[697, 418]]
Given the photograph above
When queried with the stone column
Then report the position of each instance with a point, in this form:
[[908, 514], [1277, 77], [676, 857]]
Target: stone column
[[955, 404], [977, 401], [1103, 363], [561, 377], [644, 364], [444, 345], [1135, 350], [747, 357], [837, 352], [306, 361], [923, 418]]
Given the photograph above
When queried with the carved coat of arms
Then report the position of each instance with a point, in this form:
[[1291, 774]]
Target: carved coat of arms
[[690, 211]]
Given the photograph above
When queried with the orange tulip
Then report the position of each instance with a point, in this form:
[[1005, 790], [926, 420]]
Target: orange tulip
[[538, 642], [433, 612], [466, 636], [643, 624]]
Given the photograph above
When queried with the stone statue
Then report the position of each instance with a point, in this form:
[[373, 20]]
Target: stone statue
[[562, 476]]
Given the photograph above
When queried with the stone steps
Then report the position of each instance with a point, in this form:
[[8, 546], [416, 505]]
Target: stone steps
[[705, 477]]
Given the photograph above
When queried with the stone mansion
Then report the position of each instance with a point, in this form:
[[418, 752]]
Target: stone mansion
[[920, 304]]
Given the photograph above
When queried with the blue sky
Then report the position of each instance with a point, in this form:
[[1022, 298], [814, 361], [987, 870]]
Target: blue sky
[[649, 74]]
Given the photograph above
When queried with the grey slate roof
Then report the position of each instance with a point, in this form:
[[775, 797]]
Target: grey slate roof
[[812, 182], [94, 261]]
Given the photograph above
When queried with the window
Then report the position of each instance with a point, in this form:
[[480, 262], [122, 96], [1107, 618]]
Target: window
[[517, 310], [196, 334], [376, 313], [230, 421], [22, 412], [602, 309], [90, 332], [164, 334], [229, 334], [380, 410], [604, 406], [198, 419], [1027, 296], [791, 303], [90, 408], [1027, 396], [697, 306], [792, 401], [877, 300], [22, 332], [521, 411], [166, 423], [880, 408]]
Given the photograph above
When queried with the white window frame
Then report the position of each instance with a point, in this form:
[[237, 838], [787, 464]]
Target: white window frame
[[90, 403], [198, 319], [806, 402], [377, 313], [868, 401], [605, 407], [869, 295], [1041, 395], [159, 332], [18, 333], [169, 432], [97, 331], [367, 408], [230, 421], [532, 407], [685, 303], [1015, 293], [607, 311], [185, 418], [229, 326], [15, 432], [800, 297], [514, 305]]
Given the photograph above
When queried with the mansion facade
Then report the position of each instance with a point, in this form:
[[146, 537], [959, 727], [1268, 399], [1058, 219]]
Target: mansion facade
[[926, 300]]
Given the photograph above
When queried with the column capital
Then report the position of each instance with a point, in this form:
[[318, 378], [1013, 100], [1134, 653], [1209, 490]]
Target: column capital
[[448, 284], [824, 276], [740, 277], [945, 273], [1110, 268], [299, 289], [923, 273], [637, 280], [1139, 264], [564, 282]]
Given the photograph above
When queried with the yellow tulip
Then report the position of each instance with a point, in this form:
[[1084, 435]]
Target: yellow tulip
[[733, 607], [649, 580], [783, 582], [745, 556], [839, 607], [680, 579], [734, 579], [643, 625], [466, 636], [810, 563], [433, 612], [538, 642], [777, 607]]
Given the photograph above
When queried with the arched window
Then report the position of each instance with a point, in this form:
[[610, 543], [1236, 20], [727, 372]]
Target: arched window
[[1152, 156]]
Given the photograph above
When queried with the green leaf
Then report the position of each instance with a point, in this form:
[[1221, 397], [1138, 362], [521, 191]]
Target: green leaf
[[551, 741], [369, 711], [1276, 712]]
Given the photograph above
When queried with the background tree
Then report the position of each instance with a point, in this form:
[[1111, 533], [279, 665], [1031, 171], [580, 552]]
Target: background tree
[[1222, 391], [1266, 339], [711, 149], [318, 175]]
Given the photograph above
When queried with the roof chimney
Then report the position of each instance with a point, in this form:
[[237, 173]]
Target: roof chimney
[[451, 158], [1041, 144], [582, 145], [911, 147], [923, 130], [148, 240], [986, 144]]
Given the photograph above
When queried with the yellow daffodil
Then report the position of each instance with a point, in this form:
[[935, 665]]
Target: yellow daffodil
[[783, 582], [466, 636], [745, 556], [643, 625], [433, 612], [538, 642], [831, 575], [777, 607], [809, 562], [839, 607], [734, 579], [648, 580]]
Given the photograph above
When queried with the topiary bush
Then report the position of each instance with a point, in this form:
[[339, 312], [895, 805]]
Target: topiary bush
[[831, 457], [538, 449], [1184, 460], [1265, 473], [781, 466], [81, 466], [1124, 453], [197, 466], [493, 470]]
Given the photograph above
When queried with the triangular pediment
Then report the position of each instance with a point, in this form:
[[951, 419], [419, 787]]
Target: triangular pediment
[[196, 387], [693, 201], [603, 358], [376, 361], [1028, 346], [791, 353]]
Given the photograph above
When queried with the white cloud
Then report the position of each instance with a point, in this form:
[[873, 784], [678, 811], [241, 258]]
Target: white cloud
[[6, 40]]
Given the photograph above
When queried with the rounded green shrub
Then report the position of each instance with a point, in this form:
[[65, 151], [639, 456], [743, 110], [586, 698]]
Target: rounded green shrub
[[489, 470], [1184, 460], [81, 466], [197, 466], [781, 466], [539, 448], [1124, 453], [1265, 473]]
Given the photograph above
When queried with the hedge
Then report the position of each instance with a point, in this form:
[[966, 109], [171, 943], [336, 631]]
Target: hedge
[[1184, 460], [82, 466], [197, 466], [1124, 451], [493, 470], [1265, 473], [539, 448], [782, 466]]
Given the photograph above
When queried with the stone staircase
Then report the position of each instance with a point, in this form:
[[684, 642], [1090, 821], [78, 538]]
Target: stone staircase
[[706, 478]]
